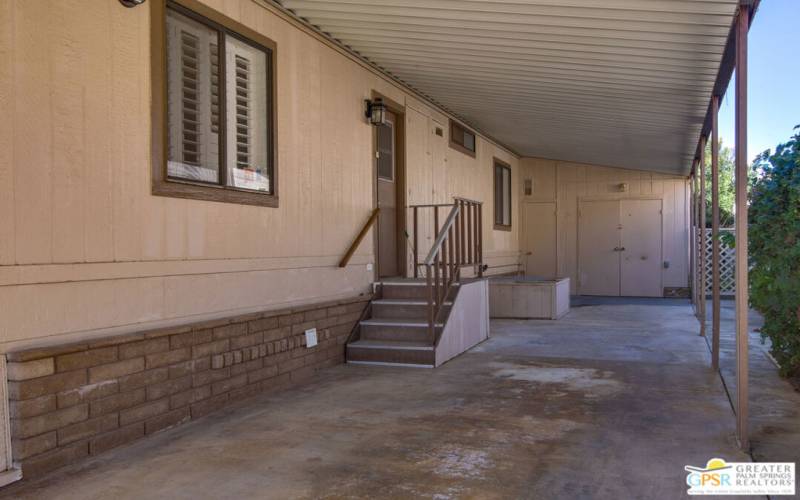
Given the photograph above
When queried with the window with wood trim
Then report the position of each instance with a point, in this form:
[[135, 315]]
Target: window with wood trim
[[219, 110], [462, 139], [502, 195]]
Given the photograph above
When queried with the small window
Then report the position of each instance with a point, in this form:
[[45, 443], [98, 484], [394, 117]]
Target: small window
[[502, 195], [219, 110], [462, 139], [385, 134]]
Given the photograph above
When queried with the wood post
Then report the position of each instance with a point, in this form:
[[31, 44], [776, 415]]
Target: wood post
[[693, 238], [715, 254], [701, 219], [742, 348], [415, 250], [480, 241], [462, 232]]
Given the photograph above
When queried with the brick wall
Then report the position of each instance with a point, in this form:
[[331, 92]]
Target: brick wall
[[71, 401]]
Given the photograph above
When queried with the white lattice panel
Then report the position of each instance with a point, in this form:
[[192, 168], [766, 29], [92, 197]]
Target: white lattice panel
[[727, 261]]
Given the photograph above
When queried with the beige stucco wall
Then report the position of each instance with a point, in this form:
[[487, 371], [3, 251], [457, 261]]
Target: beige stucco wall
[[567, 183], [85, 249]]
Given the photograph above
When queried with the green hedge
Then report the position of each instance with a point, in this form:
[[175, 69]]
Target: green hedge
[[774, 233]]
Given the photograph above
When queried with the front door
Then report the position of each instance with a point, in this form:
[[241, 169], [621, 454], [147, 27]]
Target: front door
[[386, 175]]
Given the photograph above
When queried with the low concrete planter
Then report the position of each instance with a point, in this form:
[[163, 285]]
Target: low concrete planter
[[525, 297]]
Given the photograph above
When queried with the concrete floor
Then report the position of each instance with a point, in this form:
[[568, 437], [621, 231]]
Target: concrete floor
[[774, 402], [609, 402]]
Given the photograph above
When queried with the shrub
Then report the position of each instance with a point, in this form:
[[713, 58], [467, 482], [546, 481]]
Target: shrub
[[774, 231]]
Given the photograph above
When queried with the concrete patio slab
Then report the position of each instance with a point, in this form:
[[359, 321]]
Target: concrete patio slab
[[609, 402], [774, 402]]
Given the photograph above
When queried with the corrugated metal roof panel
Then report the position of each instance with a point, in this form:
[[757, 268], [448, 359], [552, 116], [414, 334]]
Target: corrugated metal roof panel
[[614, 82]]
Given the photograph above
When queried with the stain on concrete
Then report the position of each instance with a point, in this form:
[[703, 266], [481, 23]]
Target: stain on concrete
[[594, 383], [454, 461]]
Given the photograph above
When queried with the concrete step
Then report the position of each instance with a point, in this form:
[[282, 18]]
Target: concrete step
[[404, 309], [391, 329], [391, 352]]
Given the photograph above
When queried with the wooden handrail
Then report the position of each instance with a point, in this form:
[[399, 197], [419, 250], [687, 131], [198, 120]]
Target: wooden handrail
[[357, 241], [468, 235], [440, 238], [456, 243]]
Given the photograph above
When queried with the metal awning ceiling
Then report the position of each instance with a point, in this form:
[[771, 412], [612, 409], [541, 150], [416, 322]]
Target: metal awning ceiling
[[622, 83]]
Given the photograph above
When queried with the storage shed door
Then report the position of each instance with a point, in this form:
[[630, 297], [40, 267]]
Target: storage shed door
[[598, 248], [641, 239], [539, 249]]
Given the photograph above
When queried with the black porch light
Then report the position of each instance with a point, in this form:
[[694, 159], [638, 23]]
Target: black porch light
[[376, 111], [131, 3]]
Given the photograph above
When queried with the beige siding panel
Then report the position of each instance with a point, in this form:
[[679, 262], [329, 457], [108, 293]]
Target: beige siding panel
[[419, 173], [33, 133], [128, 129], [67, 72], [91, 308], [437, 148], [418, 187], [99, 166], [7, 212], [544, 174]]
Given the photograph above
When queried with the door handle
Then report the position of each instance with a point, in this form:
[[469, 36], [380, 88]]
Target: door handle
[[619, 249]]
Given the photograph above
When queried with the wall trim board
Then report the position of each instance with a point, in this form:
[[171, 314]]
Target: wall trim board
[[615, 197], [123, 330], [41, 274]]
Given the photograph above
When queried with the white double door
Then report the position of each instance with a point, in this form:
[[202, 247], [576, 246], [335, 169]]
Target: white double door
[[619, 248]]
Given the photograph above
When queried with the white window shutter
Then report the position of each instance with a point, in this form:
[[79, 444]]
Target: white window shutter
[[242, 86], [193, 97], [191, 127], [247, 115]]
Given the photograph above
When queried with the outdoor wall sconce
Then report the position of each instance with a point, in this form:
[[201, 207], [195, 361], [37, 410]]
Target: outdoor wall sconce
[[528, 187], [131, 3], [622, 187], [376, 111]]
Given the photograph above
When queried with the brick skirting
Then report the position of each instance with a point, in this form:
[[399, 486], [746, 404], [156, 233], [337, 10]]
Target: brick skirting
[[71, 401]]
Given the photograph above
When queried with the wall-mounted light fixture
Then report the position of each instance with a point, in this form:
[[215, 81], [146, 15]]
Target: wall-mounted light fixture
[[376, 111], [131, 3], [622, 187], [528, 187]]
